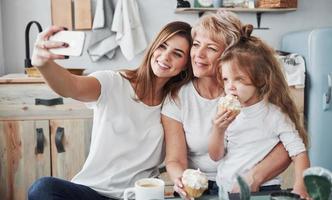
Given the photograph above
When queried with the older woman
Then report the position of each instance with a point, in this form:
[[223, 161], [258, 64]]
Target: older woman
[[188, 120]]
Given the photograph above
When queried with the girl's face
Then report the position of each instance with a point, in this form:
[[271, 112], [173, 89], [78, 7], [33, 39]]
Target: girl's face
[[238, 83], [204, 55], [171, 57]]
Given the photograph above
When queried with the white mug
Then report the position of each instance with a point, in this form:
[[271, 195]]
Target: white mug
[[147, 189]]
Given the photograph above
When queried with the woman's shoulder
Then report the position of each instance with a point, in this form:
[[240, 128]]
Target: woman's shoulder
[[105, 73], [107, 76], [181, 96], [186, 88]]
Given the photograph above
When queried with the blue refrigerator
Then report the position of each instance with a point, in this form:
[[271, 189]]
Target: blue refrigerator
[[316, 48]]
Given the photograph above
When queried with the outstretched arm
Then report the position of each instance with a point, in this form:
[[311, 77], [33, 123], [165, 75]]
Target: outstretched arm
[[59, 79]]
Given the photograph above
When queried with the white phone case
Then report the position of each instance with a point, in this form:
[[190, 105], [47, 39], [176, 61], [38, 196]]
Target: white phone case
[[75, 39]]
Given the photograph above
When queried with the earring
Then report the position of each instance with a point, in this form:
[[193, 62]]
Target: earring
[[184, 74]]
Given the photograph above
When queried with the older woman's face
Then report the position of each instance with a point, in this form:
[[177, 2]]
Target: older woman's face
[[205, 53]]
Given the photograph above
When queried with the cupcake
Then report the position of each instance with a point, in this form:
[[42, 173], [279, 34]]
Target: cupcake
[[195, 182], [230, 103]]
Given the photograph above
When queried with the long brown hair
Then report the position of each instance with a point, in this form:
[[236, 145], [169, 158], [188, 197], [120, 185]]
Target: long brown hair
[[143, 77], [258, 60]]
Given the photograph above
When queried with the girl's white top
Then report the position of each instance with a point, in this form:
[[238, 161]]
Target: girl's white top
[[251, 136]]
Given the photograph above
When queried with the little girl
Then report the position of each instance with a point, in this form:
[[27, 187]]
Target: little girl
[[251, 72]]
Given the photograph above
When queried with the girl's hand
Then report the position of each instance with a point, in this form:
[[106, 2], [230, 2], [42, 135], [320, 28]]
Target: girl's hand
[[178, 187], [223, 119], [41, 54], [301, 190]]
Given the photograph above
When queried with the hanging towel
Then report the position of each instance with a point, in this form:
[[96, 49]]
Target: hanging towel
[[294, 68], [128, 27], [102, 41]]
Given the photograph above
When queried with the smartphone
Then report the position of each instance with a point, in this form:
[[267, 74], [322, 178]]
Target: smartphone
[[75, 39]]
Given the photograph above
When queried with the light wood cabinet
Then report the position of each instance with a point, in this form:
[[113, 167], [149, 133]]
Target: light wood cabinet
[[76, 143], [60, 127]]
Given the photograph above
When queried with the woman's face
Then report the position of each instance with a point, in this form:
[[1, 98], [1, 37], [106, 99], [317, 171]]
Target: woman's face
[[205, 53], [171, 57], [238, 83]]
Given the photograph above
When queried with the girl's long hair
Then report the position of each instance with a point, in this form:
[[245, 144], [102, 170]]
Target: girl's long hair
[[258, 60], [143, 77]]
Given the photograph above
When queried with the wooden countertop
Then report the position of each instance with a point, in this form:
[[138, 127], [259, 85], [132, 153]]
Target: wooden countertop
[[18, 102], [20, 78]]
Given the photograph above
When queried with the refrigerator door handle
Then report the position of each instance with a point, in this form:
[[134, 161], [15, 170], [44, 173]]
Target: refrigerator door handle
[[327, 96]]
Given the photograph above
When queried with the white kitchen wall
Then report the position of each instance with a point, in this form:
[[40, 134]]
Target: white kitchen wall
[[2, 67], [154, 14]]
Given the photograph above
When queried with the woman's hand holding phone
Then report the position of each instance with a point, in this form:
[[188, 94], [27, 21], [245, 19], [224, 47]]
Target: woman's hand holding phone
[[56, 43], [74, 39]]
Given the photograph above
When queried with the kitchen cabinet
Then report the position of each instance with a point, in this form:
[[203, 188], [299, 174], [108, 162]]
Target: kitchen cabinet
[[61, 132]]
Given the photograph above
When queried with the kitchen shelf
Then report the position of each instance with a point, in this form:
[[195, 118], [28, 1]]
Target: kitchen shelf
[[258, 11], [248, 10]]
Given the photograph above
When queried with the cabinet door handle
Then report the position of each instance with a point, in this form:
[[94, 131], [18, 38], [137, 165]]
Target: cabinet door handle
[[49, 102], [40, 141], [329, 88], [60, 132]]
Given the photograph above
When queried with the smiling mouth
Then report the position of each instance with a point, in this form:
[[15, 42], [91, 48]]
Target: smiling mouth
[[163, 65], [200, 64]]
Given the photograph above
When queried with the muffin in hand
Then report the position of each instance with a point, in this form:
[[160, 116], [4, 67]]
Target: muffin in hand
[[195, 182], [229, 103]]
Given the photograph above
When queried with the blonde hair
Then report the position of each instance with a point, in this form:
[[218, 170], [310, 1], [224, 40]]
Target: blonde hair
[[252, 56], [223, 27], [143, 76]]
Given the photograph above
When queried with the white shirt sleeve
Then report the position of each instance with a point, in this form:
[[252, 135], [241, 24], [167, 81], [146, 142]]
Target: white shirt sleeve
[[106, 80], [289, 136], [172, 109]]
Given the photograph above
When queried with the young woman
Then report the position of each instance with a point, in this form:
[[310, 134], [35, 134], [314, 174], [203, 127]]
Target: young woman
[[251, 72], [187, 121], [127, 136]]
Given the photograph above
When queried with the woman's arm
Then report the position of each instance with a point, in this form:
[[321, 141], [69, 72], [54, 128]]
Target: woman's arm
[[176, 147], [176, 151], [59, 79], [271, 166], [301, 163], [82, 88]]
